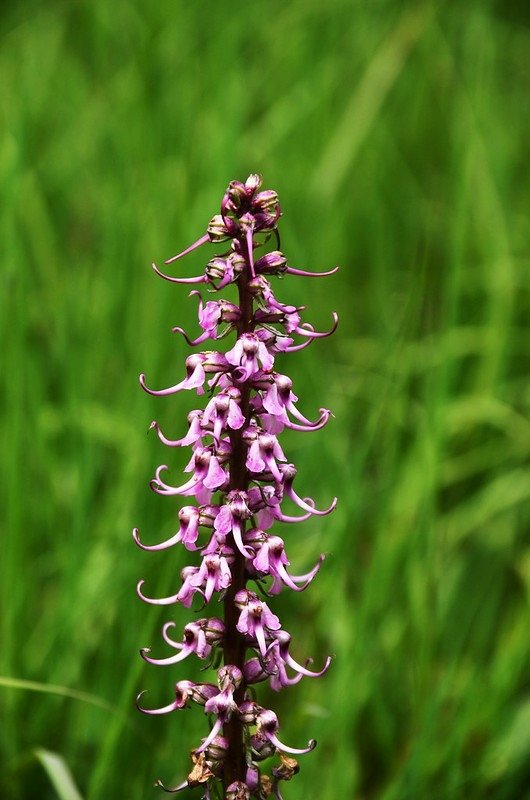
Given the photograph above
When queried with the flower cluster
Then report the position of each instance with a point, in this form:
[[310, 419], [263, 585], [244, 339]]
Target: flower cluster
[[239, 478]]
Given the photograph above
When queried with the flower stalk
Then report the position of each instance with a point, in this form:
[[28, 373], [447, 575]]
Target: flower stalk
[[239, 478]]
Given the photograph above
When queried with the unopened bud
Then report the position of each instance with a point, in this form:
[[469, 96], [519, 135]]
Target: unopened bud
[[220, 229], [271, 263]]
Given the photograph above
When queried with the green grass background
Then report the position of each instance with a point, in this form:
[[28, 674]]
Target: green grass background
[[397, 136]]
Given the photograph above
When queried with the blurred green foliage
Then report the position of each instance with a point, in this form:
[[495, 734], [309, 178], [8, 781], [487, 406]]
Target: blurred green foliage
[[396, 134]]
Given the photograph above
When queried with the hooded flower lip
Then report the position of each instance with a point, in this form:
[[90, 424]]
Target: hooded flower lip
[[222, 704], [256, 619], [288, 475], [272, 667], [197, 639], [208, 475], [211, 315], [213, 575], [194, 435], [197, 366], [191, 519], [271, 559], [230, 517], [208, 632], [247, 353], [184, 691], [283, 640], [263, 454], [268, 725], [223, 411]]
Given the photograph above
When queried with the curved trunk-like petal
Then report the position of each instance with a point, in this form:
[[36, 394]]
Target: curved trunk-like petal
[[304, 273], [211, 736], [164, 710], [295, 347], [158, 486], [303, 670], [194, 381], [193, 342], [238, 539], [175, 539], [287, 518], [303, 330], [294, 750], [260, 638], [202, 240], [160, 662], [290, 492], [172, 789], [162, 601], [171, 279]]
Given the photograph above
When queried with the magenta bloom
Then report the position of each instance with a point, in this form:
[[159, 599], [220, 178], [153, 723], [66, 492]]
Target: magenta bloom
[[238, 484]]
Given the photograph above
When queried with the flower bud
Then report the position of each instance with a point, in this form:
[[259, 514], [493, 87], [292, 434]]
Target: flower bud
[[253, 183], [219, 228], [273, 263]]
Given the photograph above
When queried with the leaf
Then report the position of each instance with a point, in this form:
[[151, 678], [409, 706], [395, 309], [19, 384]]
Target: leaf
[[59, 774]]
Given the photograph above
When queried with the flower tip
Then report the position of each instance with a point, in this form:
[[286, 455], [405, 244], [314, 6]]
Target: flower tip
[[312, 743], [144, 651], [168, 789], [138, 698], [167, 625]]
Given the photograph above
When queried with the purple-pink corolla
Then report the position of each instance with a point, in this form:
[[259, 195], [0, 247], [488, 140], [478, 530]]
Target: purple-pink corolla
[[238, 479]]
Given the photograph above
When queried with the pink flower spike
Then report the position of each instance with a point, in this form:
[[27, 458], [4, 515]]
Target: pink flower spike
[[236, 482]]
